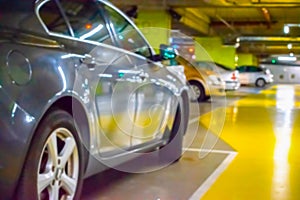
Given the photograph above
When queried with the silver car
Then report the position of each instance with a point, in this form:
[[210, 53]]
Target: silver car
[[254, 75], [79, 93]]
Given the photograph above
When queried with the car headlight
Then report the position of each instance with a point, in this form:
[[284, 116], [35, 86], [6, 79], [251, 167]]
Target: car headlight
[[215, 80]]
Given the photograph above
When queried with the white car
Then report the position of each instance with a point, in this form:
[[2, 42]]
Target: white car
[[254, 75], [230, 76]]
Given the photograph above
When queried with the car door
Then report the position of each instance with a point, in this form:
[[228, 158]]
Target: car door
[[253, 74], [243, 75], [106, 71], [153, 100]]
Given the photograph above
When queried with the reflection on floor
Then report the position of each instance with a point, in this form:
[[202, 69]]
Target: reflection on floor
[[252, 152], [187, 174], [178, 181], [264, 129], [193, 169]]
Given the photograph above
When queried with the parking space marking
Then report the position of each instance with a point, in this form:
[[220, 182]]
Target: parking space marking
[[206, 185], [209, 150]]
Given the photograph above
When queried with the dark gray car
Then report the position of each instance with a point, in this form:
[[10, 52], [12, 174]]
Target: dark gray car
[[79, 93]]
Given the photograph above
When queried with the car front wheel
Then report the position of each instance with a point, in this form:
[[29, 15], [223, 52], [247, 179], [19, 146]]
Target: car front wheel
[[198, 93], [260, 82], [54, 168]]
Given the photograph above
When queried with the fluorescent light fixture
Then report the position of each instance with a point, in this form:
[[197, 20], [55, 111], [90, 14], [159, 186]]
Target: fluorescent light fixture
[[286, 29], [237, 45], [289, 46], [287, 58], [236, 58]]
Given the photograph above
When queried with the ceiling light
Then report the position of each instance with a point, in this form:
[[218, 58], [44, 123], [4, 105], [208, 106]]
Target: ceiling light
[[287, 58], [265, 10], [289, 46], [237, 45], [236, 58], [286, 29], [291, 54]]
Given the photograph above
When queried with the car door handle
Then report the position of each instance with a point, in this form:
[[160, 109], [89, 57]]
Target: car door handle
[[143, 75], [88, 60]]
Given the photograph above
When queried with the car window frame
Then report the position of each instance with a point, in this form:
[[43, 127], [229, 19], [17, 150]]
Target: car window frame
[[39, 4], [131, 23], [37, 8], [105, 20], [71, 35]]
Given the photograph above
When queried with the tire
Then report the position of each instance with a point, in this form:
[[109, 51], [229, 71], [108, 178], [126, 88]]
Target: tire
[[172, 151], [260, 82], [54, 165], [197, 91]]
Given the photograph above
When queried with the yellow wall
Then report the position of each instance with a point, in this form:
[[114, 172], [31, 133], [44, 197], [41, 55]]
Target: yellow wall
[[211, 48], [246, 59], [155, 25]]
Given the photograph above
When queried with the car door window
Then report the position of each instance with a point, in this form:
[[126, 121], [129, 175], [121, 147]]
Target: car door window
[[242, 69], [53, 19], [253, 69], [86, 19], [247, 69], [128, 37]]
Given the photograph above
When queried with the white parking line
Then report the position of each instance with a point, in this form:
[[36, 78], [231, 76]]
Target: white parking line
[[209, 150], [206, 185]]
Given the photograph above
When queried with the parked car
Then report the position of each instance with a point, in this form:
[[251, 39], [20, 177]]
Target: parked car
[[76, 86], [203, 83], [255, 75], [230, 76]]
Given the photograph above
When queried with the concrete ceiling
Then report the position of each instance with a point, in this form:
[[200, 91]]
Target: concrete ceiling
[[258, 23]]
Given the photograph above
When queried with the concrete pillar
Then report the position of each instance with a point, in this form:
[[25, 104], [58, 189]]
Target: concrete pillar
[[212, 49], [246, 59], [155, 25]]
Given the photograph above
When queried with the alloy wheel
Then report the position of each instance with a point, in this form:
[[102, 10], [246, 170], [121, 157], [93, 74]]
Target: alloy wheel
[[260, 83], [196, 92], [58, 169]]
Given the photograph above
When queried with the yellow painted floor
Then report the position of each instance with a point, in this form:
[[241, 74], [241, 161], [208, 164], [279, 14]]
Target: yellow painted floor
[[264, 129]]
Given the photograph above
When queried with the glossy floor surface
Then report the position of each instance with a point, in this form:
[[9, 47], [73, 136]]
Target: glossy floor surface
[[247, 147], [265, 131]]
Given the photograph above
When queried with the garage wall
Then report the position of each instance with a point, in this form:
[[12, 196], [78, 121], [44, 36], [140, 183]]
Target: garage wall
[[211, 48], [284, 74], [247, 59]]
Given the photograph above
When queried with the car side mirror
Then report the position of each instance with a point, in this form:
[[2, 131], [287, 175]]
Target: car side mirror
[[167, 52]]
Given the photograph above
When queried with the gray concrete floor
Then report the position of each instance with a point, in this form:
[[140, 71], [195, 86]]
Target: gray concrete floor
[[189, 178]]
